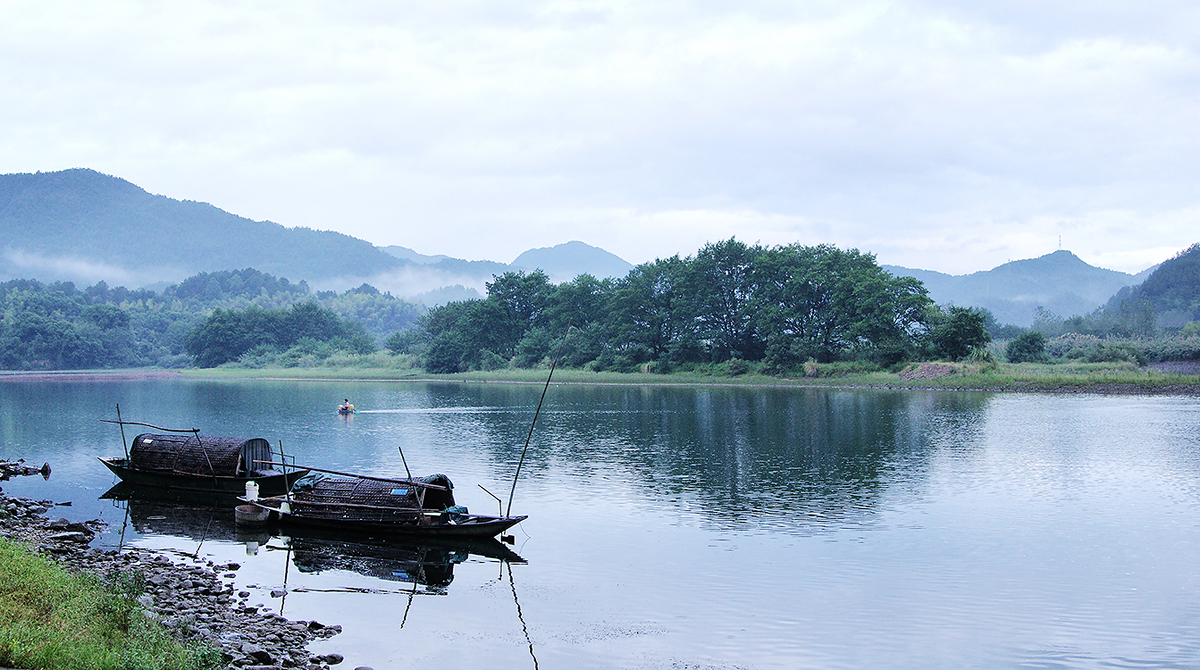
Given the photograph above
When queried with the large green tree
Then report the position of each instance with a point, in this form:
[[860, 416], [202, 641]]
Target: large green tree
[[955, 332], [646, 318], [822, 302], [718, 296], [463, 335]]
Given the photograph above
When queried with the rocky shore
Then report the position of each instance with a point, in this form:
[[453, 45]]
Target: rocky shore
[[192, 597]]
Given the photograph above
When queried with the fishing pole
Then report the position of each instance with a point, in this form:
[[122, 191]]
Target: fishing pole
[[553, 364], [124, 446]]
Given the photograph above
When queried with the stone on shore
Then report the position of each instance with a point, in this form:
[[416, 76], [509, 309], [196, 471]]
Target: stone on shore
[[191, 601]]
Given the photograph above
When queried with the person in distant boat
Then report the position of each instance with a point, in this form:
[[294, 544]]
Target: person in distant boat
[[346, 407]]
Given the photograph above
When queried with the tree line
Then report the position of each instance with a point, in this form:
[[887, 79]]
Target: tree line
[[207, 319], [734, 305], [731, 303]]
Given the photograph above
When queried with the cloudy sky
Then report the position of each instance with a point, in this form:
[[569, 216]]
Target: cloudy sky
[[951, 135]]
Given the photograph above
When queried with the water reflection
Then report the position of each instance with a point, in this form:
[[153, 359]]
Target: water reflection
[[197, 516], [209, 517], [785, 459], [419, 562]]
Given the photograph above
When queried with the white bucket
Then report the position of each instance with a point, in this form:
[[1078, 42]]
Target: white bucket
[[251, 490]]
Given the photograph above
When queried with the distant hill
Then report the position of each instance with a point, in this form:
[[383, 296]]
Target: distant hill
[[567, 261], [1059, 282], [83, 226], [1172, 292], [407, 254], [443, 279], [562, 262]]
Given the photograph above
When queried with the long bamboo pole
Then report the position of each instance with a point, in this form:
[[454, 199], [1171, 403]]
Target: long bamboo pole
[[150, 425], [124, 445], [351, 474], [553, 364], [408, 511]]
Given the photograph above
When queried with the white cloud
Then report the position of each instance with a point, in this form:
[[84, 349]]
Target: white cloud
[[946, 135]]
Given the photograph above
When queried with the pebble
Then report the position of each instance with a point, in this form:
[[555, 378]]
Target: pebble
[[191, 600]]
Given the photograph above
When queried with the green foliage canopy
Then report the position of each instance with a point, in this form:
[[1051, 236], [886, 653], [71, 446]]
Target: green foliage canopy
[[1028, 347], [782, 305], [226, 335], [57, 326]]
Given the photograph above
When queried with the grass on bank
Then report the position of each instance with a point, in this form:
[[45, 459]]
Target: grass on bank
[[1068, 376], [52, 618]]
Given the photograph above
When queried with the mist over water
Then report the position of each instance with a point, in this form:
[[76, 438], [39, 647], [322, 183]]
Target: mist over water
[[696, 527]]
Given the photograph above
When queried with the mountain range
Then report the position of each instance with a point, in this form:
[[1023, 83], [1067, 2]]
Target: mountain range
[[83, 226], [1059, 282]]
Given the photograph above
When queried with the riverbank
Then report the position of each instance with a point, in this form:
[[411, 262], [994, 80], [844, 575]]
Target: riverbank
[[191, 597], [1170, 378], [1101, 378]]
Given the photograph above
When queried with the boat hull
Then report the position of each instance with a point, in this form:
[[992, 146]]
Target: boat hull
[[275, 484], [468, 526]]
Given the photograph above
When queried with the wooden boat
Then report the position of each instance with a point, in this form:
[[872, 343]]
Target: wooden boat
[[419, 506], [201, 463]]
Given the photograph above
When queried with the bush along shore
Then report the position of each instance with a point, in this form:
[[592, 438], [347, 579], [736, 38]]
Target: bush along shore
[[194, 602]]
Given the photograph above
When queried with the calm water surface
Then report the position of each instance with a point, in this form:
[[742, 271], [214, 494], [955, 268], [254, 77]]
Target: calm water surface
[[697, 527]]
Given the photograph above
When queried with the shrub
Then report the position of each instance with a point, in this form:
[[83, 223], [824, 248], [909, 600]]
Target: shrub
[[1113, 353], [489, 360], [1028, 347], [1178, 348], [1063, 345], [736, 366]]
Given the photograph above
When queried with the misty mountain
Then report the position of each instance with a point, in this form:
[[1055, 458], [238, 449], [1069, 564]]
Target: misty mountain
[[83, 226], [404, 253], [1059, 282], [565, 262], [561, 263]]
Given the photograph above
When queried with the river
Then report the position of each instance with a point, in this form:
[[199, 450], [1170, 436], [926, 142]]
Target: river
[[694, 527]]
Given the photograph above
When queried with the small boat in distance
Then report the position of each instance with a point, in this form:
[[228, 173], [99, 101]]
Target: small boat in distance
[[201, 463], [417, 506], [345, 408]]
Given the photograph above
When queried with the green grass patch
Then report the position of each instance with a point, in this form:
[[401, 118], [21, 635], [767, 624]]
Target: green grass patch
[[52, 618], [1120, 376]]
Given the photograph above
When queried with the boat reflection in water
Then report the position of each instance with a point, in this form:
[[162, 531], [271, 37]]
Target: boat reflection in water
[[427, 564], [195, 515], [420, 561]]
